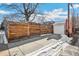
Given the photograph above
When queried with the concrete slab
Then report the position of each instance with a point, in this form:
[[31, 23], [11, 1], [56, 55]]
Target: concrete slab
[[15, 52], [4, 53], [26, 46]]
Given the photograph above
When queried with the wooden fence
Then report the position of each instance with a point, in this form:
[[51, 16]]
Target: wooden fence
[[17, 30]]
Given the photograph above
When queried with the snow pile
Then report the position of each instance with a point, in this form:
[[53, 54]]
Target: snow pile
[[70, 50], [52, 49], [3, 39]]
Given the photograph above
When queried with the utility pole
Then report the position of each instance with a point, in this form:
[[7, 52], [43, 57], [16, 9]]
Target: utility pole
[[77, 20], [68, 17], [70, 33], [77, 16], [73, 19]]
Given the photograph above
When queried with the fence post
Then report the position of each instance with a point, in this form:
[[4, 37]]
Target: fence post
[[40, 29], [28, 30], [52, 29]]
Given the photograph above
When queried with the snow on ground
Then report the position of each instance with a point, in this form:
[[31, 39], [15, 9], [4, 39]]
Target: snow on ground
[[70, 51], [28, 45], [60, 47], [3, 38], [44, 45], [52, 49]]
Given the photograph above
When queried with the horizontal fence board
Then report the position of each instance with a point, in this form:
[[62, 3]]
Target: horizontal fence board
[[17, 30]]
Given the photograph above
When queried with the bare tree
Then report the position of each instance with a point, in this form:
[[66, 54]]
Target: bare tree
[[24, 9]]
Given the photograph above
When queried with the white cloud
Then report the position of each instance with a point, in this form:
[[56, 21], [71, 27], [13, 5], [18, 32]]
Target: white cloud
[[4, 3], [56, 13], [3, 12], [75, 6], [8, 3]]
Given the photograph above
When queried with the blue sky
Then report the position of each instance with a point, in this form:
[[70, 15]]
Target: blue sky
[[53, 11], [52, 6]]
